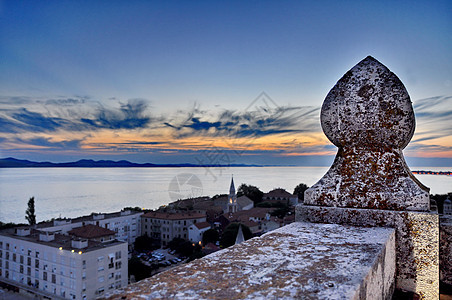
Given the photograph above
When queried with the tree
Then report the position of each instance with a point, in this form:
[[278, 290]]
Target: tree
[[210, 236], [30, 212], [139, 269], [230, 234], [252, 192], [299, 191], [145, 243], [181, 246]]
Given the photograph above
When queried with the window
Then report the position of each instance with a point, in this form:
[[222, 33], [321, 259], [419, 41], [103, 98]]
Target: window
[[101, 279], [44, 276], [84, 264], [7, 246], [37, 254], [111, 275], [21, 259], [100, 258], [29, 271], [1, 245], [118, 254], [29, 252], [53, 278], [62, 282], [118, 275], [37, 263], [14, 257], [118, 265], [21, 269], [28, 261]]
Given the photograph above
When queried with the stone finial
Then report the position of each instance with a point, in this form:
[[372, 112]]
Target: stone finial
[[368, 115]]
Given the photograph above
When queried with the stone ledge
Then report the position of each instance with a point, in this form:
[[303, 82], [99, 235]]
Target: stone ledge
[[445, 250], [417, 241], [300, 260]]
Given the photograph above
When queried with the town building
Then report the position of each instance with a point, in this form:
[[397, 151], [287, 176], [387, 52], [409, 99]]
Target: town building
[[280, 195], [168, 225], [256, 219], [196, 231], [50, 265], [93, 232], [232, 199], [447, 207], [231, 203], [126, 224]]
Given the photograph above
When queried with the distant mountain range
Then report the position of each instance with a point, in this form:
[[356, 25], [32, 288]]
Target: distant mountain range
[[89, 163]]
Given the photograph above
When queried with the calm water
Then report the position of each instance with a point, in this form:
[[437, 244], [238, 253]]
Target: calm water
[[72, 192]]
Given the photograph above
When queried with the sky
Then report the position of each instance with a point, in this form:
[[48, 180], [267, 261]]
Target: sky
[[210, 82]]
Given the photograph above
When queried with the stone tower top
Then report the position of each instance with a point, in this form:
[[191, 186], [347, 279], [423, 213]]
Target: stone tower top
[[370, 107], [368, 115]]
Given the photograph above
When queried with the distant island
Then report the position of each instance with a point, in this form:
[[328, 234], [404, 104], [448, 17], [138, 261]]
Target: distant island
[[11, 162]]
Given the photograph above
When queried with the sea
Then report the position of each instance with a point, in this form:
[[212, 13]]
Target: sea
[[73, 192]]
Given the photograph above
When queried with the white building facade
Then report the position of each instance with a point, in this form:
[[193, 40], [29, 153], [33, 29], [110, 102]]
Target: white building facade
[[196, 231], [167, 226], [48, 265], [126, 224]]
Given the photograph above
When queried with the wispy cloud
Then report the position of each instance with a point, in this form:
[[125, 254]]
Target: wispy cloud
[[83, 125], [256, 123], [70, 115]]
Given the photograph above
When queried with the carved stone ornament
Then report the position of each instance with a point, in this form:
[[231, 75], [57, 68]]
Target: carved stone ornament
[[368, 115]]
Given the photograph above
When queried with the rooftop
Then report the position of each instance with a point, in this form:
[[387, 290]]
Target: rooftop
[[91, 217], [91, 231], [60, 241], [282, 193], [173, 216]]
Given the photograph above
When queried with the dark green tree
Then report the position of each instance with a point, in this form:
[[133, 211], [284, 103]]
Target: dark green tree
[[181, 246], [299, 191], [139, 269], [30, 214], [230, 234], [281, 212], [210, 236], [145, 243], [252, 192]]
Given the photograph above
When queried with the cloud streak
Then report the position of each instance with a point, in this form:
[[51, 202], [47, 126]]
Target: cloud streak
[[83, 125]]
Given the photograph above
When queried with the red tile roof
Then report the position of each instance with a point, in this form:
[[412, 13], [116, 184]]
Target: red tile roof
[[281, 193], [173, 216], [91, 231], [202, 225]]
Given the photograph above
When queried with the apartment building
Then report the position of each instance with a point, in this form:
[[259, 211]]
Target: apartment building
[[126, 224], [50, 265], [168, 225]]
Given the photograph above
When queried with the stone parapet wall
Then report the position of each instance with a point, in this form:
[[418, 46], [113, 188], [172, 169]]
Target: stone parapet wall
[[300, 260], [445, 249], [417, 241]]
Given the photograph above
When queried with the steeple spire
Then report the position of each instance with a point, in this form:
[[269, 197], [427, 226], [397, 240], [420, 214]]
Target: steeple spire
[[232, 203], [232, 188]]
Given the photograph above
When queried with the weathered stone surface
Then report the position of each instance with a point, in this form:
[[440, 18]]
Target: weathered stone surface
[[417, 241], [301, 260], [445, 249], [368, 115]]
